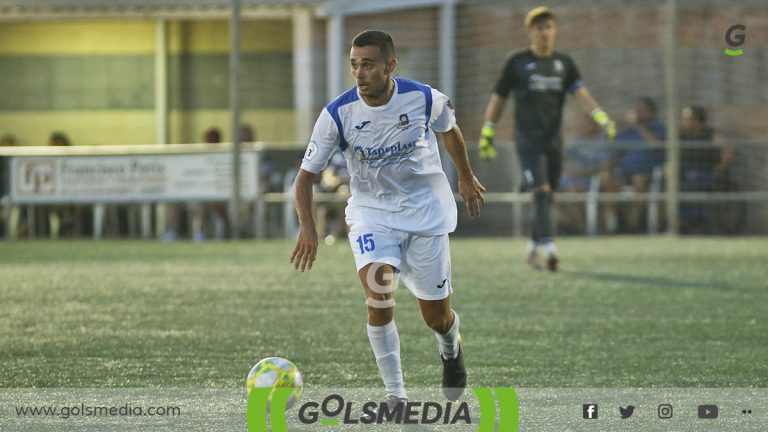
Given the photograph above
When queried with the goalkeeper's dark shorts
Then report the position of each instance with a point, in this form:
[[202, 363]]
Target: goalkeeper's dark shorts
[[541, 161]]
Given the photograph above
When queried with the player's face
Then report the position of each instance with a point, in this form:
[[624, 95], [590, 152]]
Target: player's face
[[543, 34], [371, 71]]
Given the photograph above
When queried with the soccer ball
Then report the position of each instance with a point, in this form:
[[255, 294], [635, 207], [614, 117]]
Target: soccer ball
[[276, 372]]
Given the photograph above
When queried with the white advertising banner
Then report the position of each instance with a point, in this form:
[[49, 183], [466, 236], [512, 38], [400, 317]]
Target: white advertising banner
[[129, 178]]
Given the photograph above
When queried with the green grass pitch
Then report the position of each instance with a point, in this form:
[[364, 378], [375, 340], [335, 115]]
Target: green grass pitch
[[623, 312]]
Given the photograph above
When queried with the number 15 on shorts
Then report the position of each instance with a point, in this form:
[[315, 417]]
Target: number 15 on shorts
[[366, 243]]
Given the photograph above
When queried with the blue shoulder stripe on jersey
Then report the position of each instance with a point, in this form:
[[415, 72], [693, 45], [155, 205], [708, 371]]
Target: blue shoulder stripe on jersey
[[345, 98], [406, 86], [575, 86]]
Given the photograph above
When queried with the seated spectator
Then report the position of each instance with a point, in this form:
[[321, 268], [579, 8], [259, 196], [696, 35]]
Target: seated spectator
[[66, 219], [645, 134], [215, 212], [6, 140], [587, 157], [704, 167], [247, 134], [59, 139]]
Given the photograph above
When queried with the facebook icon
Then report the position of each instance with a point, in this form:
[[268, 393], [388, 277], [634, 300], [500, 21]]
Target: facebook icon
[[590, 411]]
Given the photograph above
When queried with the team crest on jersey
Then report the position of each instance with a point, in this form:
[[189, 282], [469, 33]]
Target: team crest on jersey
[[558, 66], [404, 121]]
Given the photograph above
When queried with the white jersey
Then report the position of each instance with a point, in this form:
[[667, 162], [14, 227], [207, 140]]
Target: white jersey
[[396, 177]]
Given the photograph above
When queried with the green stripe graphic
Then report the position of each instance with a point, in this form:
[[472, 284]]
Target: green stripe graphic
[[329, 422], [509, 409], [277, 409], [734, 53], [487, 409], [257, 409]]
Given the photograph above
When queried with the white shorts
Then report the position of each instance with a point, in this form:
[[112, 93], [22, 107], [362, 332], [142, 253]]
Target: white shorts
[[424, 262]]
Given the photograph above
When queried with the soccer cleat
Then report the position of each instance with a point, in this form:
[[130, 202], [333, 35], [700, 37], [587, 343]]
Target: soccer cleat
[[392, 402], [552, 263], [533, 261], [454, 375]]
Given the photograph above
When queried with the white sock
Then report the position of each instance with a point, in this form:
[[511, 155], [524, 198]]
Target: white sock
[[550, 248], [385, 343], [448, 343], [532, 247]]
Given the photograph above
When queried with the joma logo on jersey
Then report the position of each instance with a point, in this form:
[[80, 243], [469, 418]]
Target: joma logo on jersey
[[362, 125]]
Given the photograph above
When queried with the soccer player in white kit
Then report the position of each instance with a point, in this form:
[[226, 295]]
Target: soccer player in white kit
[[401, 209]]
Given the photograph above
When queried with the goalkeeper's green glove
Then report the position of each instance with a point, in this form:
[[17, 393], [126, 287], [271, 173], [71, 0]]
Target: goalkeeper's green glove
[[601, 118], [487, 149]]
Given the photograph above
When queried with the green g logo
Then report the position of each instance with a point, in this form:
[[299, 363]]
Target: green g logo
[[735, 37]]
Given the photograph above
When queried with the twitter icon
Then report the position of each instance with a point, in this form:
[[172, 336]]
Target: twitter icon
[[626, 412]]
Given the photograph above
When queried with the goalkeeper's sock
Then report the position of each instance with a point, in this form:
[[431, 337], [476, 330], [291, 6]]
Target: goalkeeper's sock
[[549, 248], [542, 221], [532, 247], [448, 343], [385, 343]]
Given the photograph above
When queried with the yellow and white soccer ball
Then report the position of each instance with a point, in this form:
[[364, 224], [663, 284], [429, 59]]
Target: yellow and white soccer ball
[[276, 372]]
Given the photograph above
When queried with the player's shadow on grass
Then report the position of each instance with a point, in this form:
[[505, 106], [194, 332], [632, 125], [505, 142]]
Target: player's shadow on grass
[[648, 280]]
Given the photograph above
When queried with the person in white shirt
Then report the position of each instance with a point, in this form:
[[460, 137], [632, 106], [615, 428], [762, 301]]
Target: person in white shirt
[[401, 209]]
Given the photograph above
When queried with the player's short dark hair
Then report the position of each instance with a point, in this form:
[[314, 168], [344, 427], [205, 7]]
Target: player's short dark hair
[[378, 38]]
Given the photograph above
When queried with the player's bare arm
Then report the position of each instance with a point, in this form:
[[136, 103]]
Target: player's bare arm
[[470, 188], [303, 255], [494, 108]]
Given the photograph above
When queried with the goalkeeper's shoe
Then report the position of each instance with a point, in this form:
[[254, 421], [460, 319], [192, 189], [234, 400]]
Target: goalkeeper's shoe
[[454, 375], [553, 263], [533, 261], [487, 149]]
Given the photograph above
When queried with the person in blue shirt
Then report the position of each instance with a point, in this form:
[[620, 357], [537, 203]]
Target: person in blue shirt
[[643, 152]]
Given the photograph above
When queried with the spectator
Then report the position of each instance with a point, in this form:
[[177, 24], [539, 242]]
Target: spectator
[[212, 135], [704, 167], [645, 135], [216, 212], [59, 139], [588, 158], [6, 140], [65, 219], [246, 133]]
